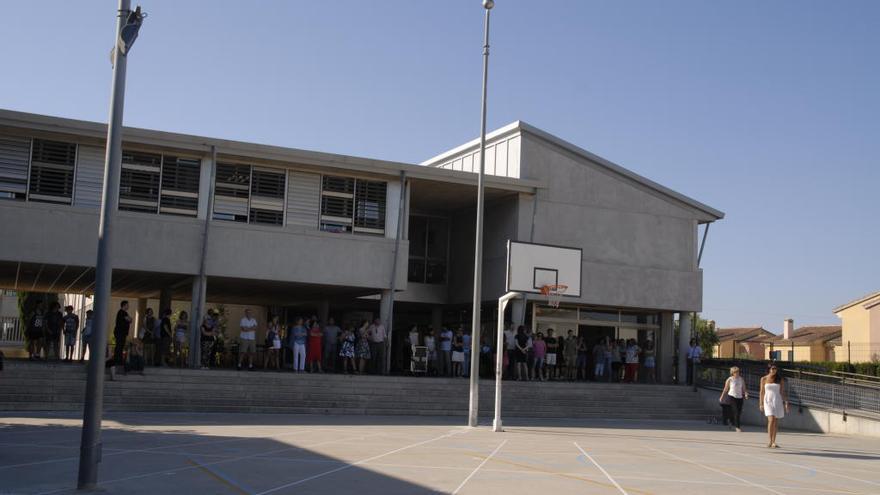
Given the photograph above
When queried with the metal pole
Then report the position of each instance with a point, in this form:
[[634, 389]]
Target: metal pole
[[499, 358], [195, 339], [90, 445], [473, 410]]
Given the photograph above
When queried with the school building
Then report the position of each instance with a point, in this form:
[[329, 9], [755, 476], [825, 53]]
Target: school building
[[290, 231]]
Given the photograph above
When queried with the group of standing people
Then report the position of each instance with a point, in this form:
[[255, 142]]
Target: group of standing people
[[47, 330], [547, 357]]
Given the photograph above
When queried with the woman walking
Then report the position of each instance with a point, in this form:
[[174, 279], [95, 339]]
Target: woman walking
[[773, 402], [732, 397]]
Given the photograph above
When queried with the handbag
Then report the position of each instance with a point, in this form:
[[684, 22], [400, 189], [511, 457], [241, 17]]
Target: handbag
[[726, 400]]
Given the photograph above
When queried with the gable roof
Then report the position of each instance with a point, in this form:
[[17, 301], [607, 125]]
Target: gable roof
[[743, 333], [810, 335], [523, 127], [869, 301]]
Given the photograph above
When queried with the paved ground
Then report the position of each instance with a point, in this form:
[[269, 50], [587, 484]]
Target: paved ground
[[260, 454]]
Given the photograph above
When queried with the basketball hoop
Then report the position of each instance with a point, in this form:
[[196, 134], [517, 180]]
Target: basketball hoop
[[554, 294]]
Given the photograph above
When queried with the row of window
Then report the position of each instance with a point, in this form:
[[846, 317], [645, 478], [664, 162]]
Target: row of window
[[168, 184]]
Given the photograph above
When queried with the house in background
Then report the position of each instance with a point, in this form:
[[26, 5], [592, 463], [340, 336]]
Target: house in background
[[860, 339], [810, 343], [745, 342]]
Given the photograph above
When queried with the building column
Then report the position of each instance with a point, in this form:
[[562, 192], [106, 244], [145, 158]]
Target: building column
[[139, 315], [164, 300], [437, 319], [517, 312], [324, 311], [386, 316], [666, 347], [197, 312], [684, 337]]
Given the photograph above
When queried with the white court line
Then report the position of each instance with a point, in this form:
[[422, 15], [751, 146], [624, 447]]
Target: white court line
[[600, 468], [160, 447], [710, 468], [224, 461], [478, 467], [362, 461], [808, 468]]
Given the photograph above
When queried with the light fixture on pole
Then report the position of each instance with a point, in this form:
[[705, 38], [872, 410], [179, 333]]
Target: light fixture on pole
[[473, 410], [127, 27]]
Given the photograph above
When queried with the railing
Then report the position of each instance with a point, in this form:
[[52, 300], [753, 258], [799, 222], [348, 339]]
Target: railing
[[842, 393], [11, 331]]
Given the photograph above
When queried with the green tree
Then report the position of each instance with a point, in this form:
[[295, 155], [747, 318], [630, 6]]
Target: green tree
[[27, 304], [704, 332]]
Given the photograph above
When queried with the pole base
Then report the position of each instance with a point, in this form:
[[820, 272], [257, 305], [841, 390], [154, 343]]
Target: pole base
[[496, 426]]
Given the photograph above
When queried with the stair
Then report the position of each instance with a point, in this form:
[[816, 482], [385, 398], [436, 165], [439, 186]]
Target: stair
[[27, 386]]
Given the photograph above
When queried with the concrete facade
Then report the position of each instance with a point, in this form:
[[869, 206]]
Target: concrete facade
[[639, 239]]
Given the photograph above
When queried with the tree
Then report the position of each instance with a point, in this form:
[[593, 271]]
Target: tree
[[704, 332], [27, 304]]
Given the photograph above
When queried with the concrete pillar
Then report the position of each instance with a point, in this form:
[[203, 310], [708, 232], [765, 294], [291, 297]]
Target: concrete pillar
[[517, 312], [386, 315], [164, 300], [197, 313], [437, 320], [324, 311], [666, 348], [205, 187], [684, 337], [140, 313]]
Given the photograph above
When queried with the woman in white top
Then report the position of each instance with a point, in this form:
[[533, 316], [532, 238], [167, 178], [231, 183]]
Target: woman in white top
[[773, 402], [732, 397]]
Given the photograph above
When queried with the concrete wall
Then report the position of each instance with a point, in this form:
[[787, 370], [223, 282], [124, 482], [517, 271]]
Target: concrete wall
[[500, 222], [801, 419], [169, 244], [639, 246]]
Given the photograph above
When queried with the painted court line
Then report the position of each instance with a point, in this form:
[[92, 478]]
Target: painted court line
[[478, 467], [600, 468], [710, 468], [362, 461], [808, 468], [160, 447], [224, 461]]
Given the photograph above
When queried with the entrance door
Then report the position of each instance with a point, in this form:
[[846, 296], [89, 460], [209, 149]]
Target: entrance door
[[592, 335]]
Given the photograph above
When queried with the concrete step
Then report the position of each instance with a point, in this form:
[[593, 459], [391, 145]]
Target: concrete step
[[60, 387]]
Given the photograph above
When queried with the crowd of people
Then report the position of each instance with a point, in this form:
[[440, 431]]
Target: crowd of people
[[307, 344], [540, 356]]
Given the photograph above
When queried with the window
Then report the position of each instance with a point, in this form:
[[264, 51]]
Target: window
[[180, 186], [139, 181], [337, 204], [15, 153], [370, 214], [232, 192], [249, 194], [353, 205], [428, 249], [267, 196], [52, 168]]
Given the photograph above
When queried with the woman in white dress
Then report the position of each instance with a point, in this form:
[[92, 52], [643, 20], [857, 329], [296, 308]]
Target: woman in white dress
[[773, 402]]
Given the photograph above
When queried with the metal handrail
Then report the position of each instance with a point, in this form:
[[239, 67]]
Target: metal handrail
[[869, 378]]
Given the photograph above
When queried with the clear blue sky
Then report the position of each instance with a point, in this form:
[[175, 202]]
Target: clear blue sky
[[765, 110]]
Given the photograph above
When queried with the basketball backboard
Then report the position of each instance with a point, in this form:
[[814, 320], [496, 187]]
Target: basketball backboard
[[532, 266]]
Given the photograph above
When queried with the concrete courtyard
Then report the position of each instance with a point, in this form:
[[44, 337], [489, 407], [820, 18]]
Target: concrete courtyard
[[197, 453]]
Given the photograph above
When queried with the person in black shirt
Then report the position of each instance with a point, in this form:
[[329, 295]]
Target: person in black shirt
[[54, 322], [35, 329], [521, 355], [120, 332]]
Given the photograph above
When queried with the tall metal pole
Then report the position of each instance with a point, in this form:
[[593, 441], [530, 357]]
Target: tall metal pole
[[90, 446], [473, 411], [200, 292]]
